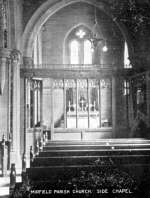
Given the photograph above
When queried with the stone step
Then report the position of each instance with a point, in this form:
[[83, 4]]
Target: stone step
[[89, 160]]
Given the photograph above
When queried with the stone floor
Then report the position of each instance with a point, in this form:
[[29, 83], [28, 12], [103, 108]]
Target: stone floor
[[4, 183]]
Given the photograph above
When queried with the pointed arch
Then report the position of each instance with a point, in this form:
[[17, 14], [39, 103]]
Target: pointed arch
[[127, 63], [48, 8]]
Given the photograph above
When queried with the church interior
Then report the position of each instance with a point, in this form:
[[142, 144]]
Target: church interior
[[75, 95]]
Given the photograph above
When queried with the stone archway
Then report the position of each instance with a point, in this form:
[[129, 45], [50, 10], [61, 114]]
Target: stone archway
[[47, 9]]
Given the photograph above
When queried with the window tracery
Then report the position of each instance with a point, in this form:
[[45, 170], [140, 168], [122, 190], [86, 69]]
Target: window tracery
[[80, 51]]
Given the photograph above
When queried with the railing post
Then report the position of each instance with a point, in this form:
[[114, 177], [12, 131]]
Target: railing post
[[12, 179], [4, 157]]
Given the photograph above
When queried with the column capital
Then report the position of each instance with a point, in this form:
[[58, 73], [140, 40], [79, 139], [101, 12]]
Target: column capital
[[15, 55]]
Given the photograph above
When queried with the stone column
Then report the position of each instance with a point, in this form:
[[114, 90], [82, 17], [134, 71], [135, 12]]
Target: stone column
[[4, 89], [2, 21], [3, 63], [1, 24], [4, 55], [15, 64]]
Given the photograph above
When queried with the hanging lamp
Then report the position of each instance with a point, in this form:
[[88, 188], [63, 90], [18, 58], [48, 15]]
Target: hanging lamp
[[95, 39]]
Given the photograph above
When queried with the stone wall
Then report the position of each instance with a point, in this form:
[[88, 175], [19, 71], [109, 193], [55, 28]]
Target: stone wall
[[136, 23], [57, 27], [29, 7]]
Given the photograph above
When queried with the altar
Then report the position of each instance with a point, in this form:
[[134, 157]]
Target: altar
[[83, 119]]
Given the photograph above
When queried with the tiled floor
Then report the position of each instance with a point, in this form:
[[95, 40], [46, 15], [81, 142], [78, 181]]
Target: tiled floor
[[4, 184]]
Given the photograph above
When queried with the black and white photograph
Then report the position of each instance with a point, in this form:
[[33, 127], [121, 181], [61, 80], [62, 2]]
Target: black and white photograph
[[75, 98]]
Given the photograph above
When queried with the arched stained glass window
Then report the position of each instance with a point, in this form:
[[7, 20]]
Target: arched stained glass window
[[37, 51], [87, 52], [74, 52], [127, 63]]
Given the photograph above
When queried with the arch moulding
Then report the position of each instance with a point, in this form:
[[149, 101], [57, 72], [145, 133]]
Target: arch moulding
[[47, 9]]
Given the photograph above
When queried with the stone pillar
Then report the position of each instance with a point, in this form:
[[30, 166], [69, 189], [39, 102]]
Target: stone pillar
[[4, 55], [3, 23], [15, 64], [5, 91], [3, 64]]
